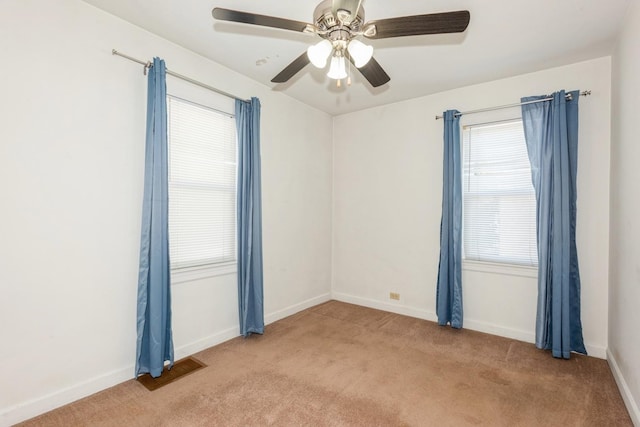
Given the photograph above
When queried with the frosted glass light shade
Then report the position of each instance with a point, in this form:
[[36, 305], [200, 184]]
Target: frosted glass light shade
[[319, 53], [338, 69], [360, 52]]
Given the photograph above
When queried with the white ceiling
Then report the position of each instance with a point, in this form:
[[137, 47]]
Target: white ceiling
[[504, 38]]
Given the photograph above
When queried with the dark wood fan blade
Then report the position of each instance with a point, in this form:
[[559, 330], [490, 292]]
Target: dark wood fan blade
[[263, 20], [290, 70], [373, 72], [434, 23]]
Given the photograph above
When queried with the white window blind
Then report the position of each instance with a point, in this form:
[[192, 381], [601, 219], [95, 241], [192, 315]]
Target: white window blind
[[202, 185], [499, 222]]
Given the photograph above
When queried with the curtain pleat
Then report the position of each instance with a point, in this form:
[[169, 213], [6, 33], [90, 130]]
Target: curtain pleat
[[551, 133], [155, 343], [449, 287], [249, 217]]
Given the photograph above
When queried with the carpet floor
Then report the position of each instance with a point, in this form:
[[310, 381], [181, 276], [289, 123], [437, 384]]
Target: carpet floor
[[339, 364]]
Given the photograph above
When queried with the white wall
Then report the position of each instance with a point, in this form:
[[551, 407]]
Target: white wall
[[624, 272], [71, 169], [388, 196]]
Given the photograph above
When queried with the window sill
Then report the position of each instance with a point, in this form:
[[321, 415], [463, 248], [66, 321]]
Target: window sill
[[189, 274], [504, 269]]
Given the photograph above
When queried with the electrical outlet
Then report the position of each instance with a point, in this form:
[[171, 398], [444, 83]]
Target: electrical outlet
[[394, 295]]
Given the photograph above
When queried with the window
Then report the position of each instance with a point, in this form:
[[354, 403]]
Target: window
[[499, 221], [202, 185]]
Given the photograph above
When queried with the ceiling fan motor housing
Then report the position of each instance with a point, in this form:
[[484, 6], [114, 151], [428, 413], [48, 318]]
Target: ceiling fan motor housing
[[343, 27]]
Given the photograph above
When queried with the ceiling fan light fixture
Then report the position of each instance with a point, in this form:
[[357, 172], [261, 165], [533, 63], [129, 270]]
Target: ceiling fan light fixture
[[319, 53], [338, 68], [360, 52]]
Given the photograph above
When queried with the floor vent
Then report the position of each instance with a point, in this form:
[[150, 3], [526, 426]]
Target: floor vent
[[180, 369]]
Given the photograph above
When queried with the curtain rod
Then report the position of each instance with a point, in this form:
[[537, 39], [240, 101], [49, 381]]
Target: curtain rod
[[568, 96], [149, 64]]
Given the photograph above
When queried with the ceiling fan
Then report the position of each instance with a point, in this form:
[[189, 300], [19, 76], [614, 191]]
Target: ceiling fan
[[339, 23]]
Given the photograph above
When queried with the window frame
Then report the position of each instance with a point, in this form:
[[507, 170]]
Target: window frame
[[483, 266], [190, 273]]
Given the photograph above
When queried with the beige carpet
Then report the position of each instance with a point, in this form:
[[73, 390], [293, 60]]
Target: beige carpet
[[338, 364]]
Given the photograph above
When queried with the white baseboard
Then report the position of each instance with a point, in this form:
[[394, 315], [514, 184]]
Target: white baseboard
[[629, 401], [419, 313], [227, 334], [40, 405], [596, 351], [285, 312], [501, 331], [472, 324], [397, 308], [204, 343]]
